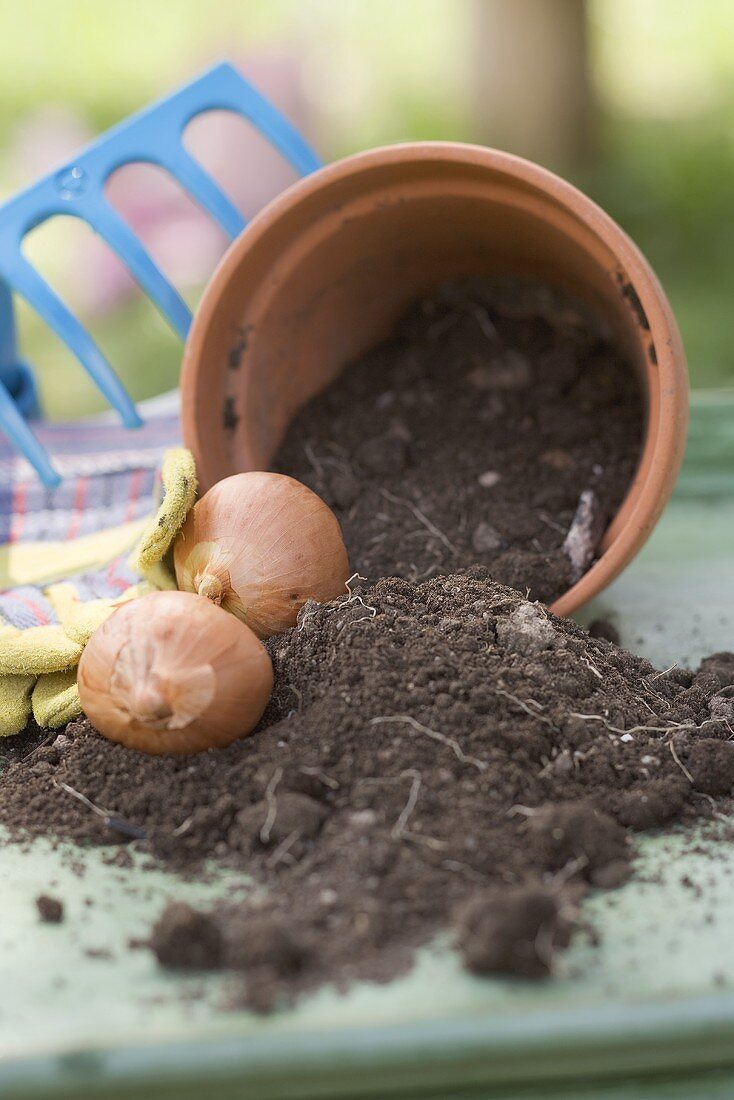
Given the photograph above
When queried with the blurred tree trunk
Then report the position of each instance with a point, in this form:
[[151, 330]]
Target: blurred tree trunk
[[531, 91]]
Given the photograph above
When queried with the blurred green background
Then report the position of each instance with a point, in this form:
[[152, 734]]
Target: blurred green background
[[631, 99]]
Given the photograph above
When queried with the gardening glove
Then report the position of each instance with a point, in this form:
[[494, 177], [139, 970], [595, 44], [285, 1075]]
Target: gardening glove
[[38, 663]]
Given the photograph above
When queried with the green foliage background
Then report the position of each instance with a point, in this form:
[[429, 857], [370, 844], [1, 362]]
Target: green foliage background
[[386, 70]]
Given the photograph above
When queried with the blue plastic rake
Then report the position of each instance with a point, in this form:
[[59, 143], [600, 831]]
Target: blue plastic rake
[[153, 136]]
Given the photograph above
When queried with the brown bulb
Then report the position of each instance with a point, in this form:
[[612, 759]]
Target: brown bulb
[[260, 545], [172, 672]]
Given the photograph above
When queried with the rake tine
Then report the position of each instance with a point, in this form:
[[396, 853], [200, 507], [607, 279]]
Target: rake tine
[[105, 220], [21, 436], [251, 105], [39, 295], [8, 354], [202, 187]]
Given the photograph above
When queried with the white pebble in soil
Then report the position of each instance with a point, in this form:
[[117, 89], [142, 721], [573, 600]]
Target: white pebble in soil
[[722, 705], [526, 630], [509, 370], [485, 538]]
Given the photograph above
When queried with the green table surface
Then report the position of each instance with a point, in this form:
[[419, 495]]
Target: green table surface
[[648, 1012]]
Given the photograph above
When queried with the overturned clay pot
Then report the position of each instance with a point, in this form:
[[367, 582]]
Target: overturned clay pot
[[326, 269]]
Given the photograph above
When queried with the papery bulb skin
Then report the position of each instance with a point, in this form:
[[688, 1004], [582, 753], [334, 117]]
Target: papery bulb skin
[[172, 672], [261, 545]]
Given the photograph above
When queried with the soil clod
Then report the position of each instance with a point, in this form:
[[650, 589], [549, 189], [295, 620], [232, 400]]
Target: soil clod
[[185, 939], [514, 931]]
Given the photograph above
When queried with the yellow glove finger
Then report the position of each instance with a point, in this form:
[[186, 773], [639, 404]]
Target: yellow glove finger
[[80, 618], [15, 703], [179, 482], [55, 699], [36, 650]]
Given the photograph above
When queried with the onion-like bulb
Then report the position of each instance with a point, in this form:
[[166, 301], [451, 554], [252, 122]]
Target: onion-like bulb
[[170, 672], [260, 545]]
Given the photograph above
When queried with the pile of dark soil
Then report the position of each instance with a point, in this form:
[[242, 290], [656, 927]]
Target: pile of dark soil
[[441, 755], [471, 436]]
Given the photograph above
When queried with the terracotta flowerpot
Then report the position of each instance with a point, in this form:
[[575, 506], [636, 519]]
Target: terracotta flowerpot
[[325, 270]]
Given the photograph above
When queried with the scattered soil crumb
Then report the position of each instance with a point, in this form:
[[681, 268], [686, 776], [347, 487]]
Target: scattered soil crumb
[[50, 910]]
